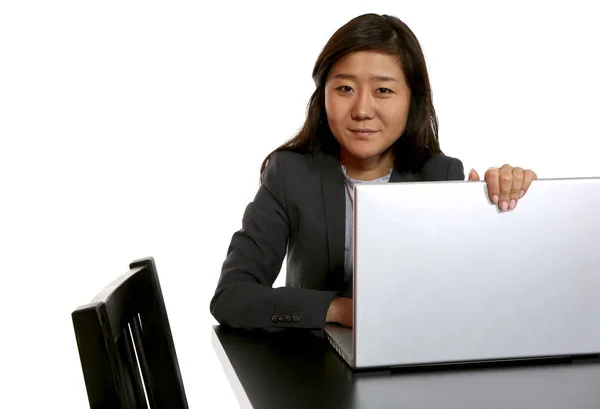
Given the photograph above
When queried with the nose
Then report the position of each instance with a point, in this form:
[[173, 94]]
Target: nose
[[363, 107]]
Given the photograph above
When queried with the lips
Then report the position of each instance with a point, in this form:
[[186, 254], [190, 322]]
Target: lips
[[363, 133]]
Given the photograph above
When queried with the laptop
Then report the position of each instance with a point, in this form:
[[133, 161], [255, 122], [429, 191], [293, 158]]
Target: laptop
[[442, 277]]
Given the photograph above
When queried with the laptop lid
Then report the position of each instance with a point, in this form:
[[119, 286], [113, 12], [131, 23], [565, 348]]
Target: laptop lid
[[442, 276]]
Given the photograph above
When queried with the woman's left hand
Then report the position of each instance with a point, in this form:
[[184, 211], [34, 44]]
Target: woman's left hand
[[506, 185]]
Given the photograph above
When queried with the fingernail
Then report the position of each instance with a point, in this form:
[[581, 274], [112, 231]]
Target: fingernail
[[495, 199], [522, 193], [504, 206], [513, 203]]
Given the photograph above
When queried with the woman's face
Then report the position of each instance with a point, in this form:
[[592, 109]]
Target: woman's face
[[367, 101]]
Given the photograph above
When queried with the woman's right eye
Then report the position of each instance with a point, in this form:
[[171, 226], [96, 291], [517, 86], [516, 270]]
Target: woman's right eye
[[345, 88]]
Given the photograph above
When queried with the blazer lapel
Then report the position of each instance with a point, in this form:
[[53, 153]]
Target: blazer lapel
[[404, 176], [334, 203]]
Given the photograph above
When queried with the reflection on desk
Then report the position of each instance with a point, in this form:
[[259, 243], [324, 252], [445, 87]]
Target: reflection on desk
[[295, 369]]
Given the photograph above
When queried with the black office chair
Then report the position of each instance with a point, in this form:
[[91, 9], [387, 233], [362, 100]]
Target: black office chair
[[125, 344]]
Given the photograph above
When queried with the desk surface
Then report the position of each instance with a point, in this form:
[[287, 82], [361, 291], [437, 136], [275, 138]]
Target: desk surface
[[299, 370]]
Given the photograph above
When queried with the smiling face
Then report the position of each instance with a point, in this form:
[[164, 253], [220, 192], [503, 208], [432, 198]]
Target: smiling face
[[367, 102]]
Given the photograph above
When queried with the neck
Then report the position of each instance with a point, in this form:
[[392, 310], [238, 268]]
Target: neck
[[367, 169]]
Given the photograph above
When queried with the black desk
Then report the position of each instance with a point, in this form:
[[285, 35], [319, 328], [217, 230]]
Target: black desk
[[298, 370]]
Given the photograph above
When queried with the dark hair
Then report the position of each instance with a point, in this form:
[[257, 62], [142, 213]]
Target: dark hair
[[389, 35]]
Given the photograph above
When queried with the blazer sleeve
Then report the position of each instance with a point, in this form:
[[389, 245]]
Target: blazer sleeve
[[244, 296], [455, 170], [442, 167]]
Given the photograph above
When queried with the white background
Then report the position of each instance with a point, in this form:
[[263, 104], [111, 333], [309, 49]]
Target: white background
[[132, 129]]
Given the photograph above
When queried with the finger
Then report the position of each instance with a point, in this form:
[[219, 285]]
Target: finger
[[517, 186], [528, 177], [505, 182], [492, 181], [473, 175]]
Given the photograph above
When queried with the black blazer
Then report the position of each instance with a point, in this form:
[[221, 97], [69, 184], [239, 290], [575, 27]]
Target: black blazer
[[299, 209]]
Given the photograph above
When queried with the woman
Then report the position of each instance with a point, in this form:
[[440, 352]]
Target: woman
[[370, 120]]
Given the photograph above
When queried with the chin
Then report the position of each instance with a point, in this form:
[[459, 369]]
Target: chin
[[365, 152]]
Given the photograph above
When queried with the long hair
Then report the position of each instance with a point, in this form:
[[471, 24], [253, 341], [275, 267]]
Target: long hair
[[389, 35]]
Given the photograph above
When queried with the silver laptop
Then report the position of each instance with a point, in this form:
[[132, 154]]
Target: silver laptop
[[442, 277]]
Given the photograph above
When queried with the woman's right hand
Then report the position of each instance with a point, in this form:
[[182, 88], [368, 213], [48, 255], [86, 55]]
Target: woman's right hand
[[340, 311]]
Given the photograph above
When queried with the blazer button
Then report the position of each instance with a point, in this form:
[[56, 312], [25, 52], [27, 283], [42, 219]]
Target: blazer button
[[274, 317], [296, 317], [288, 318]]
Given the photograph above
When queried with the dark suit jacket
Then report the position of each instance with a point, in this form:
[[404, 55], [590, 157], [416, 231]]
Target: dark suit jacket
[[299, 209]]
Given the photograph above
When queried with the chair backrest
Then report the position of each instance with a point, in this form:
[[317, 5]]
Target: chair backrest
[[125, 344]]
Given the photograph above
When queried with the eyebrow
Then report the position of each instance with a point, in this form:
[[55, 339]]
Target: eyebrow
[[380, 78]]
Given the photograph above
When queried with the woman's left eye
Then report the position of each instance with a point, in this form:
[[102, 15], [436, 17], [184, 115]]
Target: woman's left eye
[[384, 90]]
